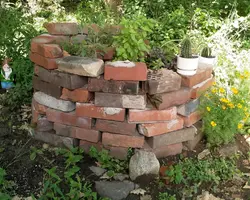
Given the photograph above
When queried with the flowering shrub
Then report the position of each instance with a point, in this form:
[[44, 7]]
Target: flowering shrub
[[225, 109]]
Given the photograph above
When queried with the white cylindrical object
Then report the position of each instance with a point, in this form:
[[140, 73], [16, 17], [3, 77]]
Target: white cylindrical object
[[187, 66], [208, 61]]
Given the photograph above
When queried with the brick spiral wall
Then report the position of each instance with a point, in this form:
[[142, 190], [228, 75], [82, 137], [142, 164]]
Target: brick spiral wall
[[93, 103]]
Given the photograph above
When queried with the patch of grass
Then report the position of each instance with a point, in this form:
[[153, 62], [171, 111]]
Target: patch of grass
[[166, 196]]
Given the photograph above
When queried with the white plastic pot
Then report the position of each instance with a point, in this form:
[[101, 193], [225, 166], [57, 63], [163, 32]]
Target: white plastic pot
[[187, 66], [207, 61]]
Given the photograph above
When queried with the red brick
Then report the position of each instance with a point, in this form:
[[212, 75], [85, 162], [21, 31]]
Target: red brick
[[174, 137], [118, 152], [122, 140], [154, 129], [120, 100], [47, 63], [202, 74], [145, 116], [62, 129], [172, 98], [62, 28], [68, 119], [35, 115], [191, 119], [116, 87], [86, 134], [107, 54], [115, 127], [56, 77], [81, 95], [136, 73], [90, 110], [47, 39], [39, 107], [49, 50], [47, 88], [165, 151], [199, 89], [85, 145]]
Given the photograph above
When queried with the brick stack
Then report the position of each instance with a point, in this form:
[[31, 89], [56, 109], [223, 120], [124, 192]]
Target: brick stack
[[112, 105]]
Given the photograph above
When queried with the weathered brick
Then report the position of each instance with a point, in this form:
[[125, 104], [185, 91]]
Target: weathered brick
[[38, 107], [49, 50], [68, 119], [191, 144], [90, 110], [56, 140], [172, 137], [107, 54], [62, 28], [118, 152], [199, 89], [121, 72], [43, 124], [115, 127], [202, 74], [85, 145], [78, 39], [62, 129], [35, 115], [56, 77], [165, 151], [122, 140], [191, 119], [147, 116], [171, 98], [48, 63], [86, 134], [155, 129], [162, 81], [46, 88], [189, 107], [120, 100], [111, 86], [81, 95]]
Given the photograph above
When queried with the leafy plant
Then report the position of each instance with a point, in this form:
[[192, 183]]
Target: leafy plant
[[206, 52], [107, 162], [35, 152], [5, 186], [186, 48], [166, 196], [131, 42], [175, 173]]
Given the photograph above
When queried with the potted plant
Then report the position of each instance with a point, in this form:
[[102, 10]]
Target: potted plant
[[206, 56], [187, 63]]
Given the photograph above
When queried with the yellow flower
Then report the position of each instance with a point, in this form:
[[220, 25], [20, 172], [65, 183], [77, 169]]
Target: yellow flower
[[242, 77], [247, 74], [224, 107], [206, 95], [239, 106], [222, 90], [208, 109], [214, 83], [230, 105], [213, 124], [245, 109], [234, 90], [240, 125], [214, 90], [224, 100]]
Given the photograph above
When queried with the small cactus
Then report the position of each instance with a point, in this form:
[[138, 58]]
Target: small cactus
[[206, 52], [186, 48]]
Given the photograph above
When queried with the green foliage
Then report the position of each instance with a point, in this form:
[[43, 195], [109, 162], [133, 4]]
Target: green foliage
[[206, 52], [107, 162], [131, 42], [5, 186], [34, 152], [166, 196], [186, 48]]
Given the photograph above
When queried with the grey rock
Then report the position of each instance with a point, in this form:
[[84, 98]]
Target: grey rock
[[143, 163], [51, 102], [120, 177], [81, 66], [228, 150], [115, 190], [98, 171]]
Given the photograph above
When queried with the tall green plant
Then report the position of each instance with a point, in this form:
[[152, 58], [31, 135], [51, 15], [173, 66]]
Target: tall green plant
[[186, 48]]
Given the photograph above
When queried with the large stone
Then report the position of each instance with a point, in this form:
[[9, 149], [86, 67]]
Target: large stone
[[115, 190], [120, 100], [172, 137], [143, 163], [56, 140], [43, 124], [81, 66], [98, 171], [162, 81], [51, 102], [111, 86], [61, 28]]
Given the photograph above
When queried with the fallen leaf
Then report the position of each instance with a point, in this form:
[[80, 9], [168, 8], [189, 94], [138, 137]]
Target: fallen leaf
[[138, 191]]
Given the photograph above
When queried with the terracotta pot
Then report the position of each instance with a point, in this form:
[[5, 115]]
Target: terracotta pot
[[106, 55]]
